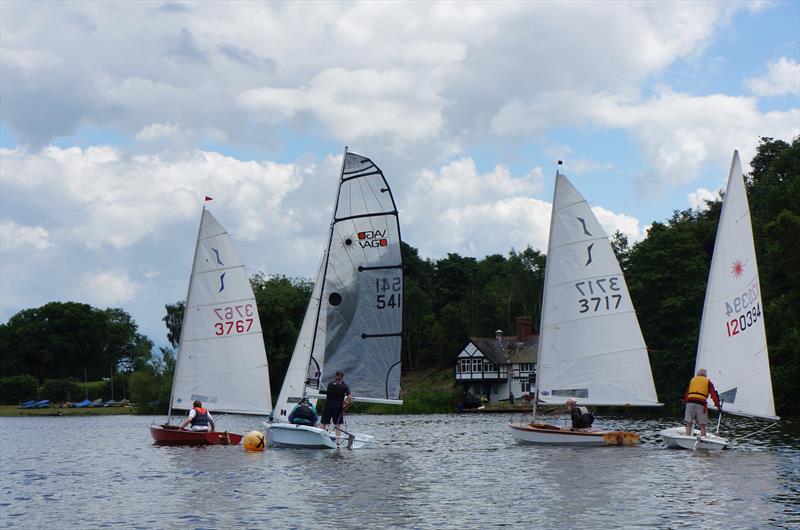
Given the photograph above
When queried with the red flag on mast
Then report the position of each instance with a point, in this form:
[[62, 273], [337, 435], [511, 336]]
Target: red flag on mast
[[208, 199]]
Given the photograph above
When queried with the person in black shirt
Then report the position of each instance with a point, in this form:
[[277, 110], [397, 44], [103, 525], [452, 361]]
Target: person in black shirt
[[337, 398]]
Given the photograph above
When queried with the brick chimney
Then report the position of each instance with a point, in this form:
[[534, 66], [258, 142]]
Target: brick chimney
[[524, 326]]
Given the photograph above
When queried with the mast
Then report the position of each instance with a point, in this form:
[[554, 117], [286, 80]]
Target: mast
[[324, 275], [544, 299], [183, 320]]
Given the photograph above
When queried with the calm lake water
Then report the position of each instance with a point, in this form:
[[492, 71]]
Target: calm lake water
[[434, 471]]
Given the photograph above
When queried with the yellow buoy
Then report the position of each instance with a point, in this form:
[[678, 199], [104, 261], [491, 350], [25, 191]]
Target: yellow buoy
[[254, 441]]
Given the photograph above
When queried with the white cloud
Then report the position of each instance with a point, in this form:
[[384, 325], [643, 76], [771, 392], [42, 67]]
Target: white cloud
[[108, 288], [611, 222], [158, 131], [698, 198], [14, 236], [360, 104], [676, 132], [114, 199], [783, 77]]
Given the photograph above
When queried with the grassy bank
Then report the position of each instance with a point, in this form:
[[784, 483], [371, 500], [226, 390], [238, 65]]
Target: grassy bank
[[12, 410], [423, 392]]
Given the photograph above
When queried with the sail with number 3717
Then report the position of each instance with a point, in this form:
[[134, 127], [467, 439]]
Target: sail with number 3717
[[591, 348]]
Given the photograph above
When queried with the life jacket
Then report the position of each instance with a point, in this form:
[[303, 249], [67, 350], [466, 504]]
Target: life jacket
[[698, 389], [303, 415], [200, 417]]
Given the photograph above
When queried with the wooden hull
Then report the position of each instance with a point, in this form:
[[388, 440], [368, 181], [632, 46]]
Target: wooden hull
[[307, 437], [675, 437], [545, 434], [172, 435]]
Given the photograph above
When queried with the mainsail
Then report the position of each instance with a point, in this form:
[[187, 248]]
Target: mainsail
[[221, 358], [591, 348], [733, 343], [354, 320]]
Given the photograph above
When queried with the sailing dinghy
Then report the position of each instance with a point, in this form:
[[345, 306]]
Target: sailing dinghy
[[590, 346], [733, 342], [354, 321], [221, 359]]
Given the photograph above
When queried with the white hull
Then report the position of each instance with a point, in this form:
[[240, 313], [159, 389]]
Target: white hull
[[305, 436], [545, 434], [675, 437]]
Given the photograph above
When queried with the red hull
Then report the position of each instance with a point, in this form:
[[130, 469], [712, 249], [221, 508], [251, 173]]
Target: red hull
[[172, 435]]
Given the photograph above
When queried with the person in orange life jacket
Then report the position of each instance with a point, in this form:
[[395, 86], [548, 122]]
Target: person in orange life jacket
[[581, 417], [700, 387], [337, 398], [200, 418]]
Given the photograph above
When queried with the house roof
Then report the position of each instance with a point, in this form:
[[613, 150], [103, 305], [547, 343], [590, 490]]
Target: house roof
[[509, 350]]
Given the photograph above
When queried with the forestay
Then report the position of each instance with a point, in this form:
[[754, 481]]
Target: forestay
[[733, 343], [354, 320], [591, 348], [221, 358]]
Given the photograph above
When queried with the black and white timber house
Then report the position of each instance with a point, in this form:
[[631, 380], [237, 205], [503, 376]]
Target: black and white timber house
[[499, 368]]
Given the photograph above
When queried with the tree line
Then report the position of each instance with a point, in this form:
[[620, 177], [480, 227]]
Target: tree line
[[450, 299]]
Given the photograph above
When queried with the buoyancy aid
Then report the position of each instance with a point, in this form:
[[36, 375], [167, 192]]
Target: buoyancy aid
[[303, 415], [698, 389], [200, 417]]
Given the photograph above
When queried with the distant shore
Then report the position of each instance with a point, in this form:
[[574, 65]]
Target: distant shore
[[14, 410]]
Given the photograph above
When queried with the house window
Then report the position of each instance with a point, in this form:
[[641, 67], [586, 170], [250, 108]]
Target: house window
[[476, 365], [488, 367], [464, 365], [525, 384]]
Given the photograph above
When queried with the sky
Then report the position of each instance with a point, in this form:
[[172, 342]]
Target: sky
[[118, 118]]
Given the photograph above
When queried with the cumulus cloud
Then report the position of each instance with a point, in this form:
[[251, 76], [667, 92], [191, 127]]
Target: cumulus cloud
[[108, 288], [122, 199], [611, 222], [357, 104], [435, 79], [698, 200], [14, 236], [158, 131], [783, 77], [676, 132]]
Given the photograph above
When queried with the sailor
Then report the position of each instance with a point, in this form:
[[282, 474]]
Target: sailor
[[581, 417], [304, 413], [199, 417], [700, 387], [337, 398]]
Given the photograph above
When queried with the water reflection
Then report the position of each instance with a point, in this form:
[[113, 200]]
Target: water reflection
[[429, 471]]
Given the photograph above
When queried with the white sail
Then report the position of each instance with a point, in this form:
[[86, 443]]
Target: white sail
[[301, 368], [221, 358], [354, 320], [591, 348], [733, 343]]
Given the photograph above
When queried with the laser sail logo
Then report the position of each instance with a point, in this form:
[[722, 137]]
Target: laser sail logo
[[373, 238]]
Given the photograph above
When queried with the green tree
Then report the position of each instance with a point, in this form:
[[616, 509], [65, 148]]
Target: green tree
[[282, 304], [68, 339]]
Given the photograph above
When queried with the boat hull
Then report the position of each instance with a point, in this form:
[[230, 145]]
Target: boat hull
[[545, 434], [307, 437], [172, 435], [675, 437]]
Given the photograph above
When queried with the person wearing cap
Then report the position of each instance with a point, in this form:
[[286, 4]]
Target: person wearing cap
[[581, 417], [337, 398], [696, 397], [199, 417]]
